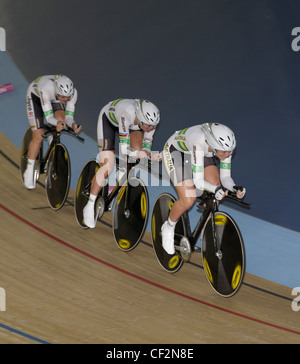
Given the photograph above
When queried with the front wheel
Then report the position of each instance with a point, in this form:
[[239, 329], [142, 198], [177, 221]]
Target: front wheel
[[223, 254], [130, 214], [58, 176]]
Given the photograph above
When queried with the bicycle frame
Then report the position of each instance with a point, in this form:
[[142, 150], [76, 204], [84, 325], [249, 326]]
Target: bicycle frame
[[43, 159], [193, 236], [210, 205], [56, 139], [121, 182]]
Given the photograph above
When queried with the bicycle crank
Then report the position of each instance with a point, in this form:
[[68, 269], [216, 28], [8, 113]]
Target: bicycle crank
[[185, 249], [100, 208]]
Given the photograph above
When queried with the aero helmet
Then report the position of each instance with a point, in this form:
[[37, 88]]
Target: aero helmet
[[219, 136], [147, 112], [63, 86]]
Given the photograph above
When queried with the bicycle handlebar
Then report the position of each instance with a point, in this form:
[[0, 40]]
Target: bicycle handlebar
[[232, 196], [52, 129], [135, 161], [211, 196]]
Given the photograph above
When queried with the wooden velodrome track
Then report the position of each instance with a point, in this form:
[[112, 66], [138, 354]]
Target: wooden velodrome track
[[64, 284]]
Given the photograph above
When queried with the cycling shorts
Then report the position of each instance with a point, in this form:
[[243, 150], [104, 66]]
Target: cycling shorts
[[106, 133]]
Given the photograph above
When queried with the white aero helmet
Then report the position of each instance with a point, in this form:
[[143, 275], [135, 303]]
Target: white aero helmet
[[147, 112], [63, 86], [219, 136]]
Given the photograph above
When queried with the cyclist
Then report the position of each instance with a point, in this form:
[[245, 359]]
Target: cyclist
[[53, 97], [190, 156], [135, 120]]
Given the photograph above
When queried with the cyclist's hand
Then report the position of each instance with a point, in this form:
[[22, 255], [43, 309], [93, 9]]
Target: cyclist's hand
[[60, 125], [220, 193], [240, 191], [156, 157], [142, 154], [77, 128]]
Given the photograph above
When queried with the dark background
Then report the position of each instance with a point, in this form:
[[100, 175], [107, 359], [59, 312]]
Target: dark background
[[228, 61]]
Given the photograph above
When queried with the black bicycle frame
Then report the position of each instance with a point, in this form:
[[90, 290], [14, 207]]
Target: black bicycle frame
[[54, 142], [108, 199], [193, 236], [211, 206]]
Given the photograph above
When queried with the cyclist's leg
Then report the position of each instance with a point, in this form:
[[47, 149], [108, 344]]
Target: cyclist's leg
[[35, 143], [186, 198], [107, 162], [180, 172], [211, 171], [107, 159], [60, 115], [106, 141], [35, 118]]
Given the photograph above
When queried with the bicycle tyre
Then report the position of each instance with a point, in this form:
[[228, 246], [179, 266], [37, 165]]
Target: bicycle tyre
[[129, 226], [83, 188], [58, 174], [225, 274], [160, 213]]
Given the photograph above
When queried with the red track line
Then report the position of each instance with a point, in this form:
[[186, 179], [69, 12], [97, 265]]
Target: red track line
[[143, 279]]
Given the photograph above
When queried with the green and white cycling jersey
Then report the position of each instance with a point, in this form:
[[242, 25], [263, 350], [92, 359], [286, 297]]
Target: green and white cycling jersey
[[42, 101], [192, 141], [121, 115]]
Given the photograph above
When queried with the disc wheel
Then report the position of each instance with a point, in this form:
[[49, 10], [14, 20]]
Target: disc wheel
[[130, 214], [160, 213], [223, 257], [58, 176]]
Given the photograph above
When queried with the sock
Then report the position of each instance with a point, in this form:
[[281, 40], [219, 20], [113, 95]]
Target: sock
[[171, 223], [92, 198], [30, 164]]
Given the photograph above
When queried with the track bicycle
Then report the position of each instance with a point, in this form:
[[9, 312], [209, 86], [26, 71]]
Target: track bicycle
[[222, 246], [55, 163], [131, 206]]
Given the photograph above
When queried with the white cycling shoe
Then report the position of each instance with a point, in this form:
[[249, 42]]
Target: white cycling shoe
[[89, 216], [29, 180], [167, 233]]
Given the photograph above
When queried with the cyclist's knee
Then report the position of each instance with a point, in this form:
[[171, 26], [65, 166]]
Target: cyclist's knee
[[60, 115], [37, 136], [187, 202], [212, 175], [104, 171]]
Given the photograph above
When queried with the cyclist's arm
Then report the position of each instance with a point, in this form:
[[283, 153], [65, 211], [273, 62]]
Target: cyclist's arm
[[198, 169], [124, 136], [47, 107], [225, 174], [147, 141], [70, 109]]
